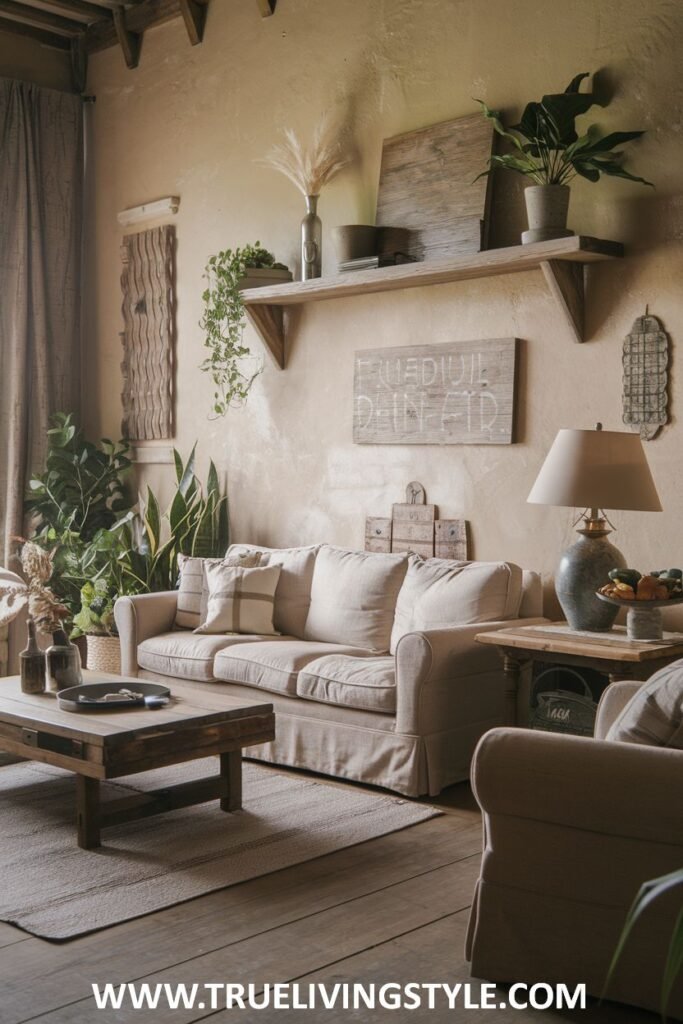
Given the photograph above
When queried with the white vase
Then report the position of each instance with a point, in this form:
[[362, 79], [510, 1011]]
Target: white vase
[[546, 208]]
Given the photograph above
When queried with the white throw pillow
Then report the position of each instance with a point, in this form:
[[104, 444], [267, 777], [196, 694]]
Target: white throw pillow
[[438, 593], [654, 715], [240, 600], [353, 597], [293, 594], [190, 610]]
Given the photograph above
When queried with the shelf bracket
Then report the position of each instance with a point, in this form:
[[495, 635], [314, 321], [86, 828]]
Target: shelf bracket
[[129, 42], [269, 323], [565, 278], [266, 7], [194, 16]]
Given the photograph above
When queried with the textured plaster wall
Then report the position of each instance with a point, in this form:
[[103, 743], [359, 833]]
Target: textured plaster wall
[[192, 121], [26, 59]]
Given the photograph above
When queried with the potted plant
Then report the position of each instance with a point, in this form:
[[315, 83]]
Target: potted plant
[[95, 621], [230, 363], [548, 150]]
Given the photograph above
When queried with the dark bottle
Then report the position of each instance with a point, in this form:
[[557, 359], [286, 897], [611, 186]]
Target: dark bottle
[[63, 663], [32, 664]]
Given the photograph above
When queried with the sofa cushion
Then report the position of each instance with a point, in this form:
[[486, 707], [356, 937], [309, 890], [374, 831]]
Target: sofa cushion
[[438, 593], [192, 589], [272, 665], [353, 597], [240, 600], [293, 594], [185, 655], [368, 683], [654, 715]]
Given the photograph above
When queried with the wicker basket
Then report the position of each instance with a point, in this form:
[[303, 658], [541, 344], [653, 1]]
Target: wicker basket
[[104, 654]]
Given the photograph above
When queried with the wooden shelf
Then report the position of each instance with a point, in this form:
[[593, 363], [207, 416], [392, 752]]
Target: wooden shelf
[[561, 260]]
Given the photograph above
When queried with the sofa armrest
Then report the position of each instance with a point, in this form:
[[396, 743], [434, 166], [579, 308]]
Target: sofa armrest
[[612, 703], [433, 663], [618, 789], [140, 617]]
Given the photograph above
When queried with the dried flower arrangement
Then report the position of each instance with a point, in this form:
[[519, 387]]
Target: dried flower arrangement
[[309, 169], [44, 607]]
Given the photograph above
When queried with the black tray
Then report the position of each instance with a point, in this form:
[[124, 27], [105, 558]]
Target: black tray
[[153, 694]]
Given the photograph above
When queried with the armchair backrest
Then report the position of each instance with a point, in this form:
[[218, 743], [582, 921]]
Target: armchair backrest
[[14, 639]]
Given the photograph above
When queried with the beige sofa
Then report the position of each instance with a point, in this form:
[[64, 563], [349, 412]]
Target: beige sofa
[[573, 827], [376, 675]]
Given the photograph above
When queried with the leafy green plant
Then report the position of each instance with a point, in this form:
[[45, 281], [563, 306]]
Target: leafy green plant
[[96, 616], [79, 497], [547, 147], [194, 524], [224, 320], [648, 893]]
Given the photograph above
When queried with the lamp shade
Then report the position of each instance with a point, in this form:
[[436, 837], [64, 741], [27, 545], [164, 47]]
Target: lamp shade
[[604, 469]]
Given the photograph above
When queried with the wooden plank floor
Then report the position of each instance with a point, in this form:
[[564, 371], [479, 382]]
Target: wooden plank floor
[[394, 909]]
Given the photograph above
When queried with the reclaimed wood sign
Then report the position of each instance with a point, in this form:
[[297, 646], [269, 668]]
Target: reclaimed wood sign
[[459, 393], [646, 377]]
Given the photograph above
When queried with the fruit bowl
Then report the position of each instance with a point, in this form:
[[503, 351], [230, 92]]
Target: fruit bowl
[[643, 618]]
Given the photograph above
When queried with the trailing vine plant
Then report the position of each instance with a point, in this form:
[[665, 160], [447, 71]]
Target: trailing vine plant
[[230, 362]]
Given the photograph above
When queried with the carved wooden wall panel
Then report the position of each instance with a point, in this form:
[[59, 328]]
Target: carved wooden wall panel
[[147, 282]]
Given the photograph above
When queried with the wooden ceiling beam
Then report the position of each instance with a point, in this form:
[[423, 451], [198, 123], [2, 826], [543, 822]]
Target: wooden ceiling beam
[[194, 16], [18, 28], [138, 18], [130, 42], [266, 7], [83, 9], [38, 18]]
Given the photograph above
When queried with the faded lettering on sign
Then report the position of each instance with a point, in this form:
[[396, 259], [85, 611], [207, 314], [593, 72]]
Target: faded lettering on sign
[[460, 393]]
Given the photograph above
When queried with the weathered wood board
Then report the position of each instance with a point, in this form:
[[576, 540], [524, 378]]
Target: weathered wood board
[[427, 186], [646, 377], [450, 539], [148, 316], [414, 527], [378, 532], [459, 393]]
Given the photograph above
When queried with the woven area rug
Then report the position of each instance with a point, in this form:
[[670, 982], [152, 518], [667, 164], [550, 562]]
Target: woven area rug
[[54, 890]]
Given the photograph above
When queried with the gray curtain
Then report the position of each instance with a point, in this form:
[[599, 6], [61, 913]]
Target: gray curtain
[[41, 188]]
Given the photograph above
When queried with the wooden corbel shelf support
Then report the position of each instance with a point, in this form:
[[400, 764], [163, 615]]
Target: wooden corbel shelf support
[[562, 262], [266, 7], [194, 16], [130, 42]]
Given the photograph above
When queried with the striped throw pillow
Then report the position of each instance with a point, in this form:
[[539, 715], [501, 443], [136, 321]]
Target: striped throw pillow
[[654, 715], [240, 600], [191, 609]]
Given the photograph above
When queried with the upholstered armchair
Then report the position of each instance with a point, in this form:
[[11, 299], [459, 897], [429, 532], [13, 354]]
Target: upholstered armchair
[[12, 636], [573, 826]]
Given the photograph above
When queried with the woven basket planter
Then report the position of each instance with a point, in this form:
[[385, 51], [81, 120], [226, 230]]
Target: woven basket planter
[[104, 654]]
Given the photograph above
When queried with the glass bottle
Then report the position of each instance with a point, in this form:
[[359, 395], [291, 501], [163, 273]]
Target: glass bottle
[[62, 663], [32, 664], [311, 241]]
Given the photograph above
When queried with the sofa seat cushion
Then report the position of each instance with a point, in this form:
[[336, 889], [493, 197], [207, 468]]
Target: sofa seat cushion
[[184, 655], [353, 597], [438, 593], [273, 665], [654, 715], [367, 683]]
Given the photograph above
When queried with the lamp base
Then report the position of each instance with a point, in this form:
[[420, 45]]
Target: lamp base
[[583, 569]]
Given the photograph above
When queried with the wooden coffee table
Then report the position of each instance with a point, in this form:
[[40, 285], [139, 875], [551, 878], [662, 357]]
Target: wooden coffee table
[[110, 744]]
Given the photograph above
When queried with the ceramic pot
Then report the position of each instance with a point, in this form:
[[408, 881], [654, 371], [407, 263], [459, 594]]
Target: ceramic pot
[[583, 569], [546, 208], [354, 241]]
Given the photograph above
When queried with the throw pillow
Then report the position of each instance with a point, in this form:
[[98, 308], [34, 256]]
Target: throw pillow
[[189, 609], [293, 594], [654, 715], [240, 600], [438, 593], [353, 597]]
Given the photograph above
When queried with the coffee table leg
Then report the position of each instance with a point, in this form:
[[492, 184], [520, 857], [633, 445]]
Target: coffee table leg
[[231, 776], [88, 810]]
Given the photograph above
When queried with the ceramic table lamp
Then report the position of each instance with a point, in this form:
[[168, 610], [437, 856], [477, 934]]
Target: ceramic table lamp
[[593, 470]]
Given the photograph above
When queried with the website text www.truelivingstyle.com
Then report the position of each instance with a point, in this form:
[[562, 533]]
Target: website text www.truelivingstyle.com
[[341, 995]]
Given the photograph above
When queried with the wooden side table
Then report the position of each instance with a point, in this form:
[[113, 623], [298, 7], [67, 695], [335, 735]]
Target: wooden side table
[[610, 653]]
